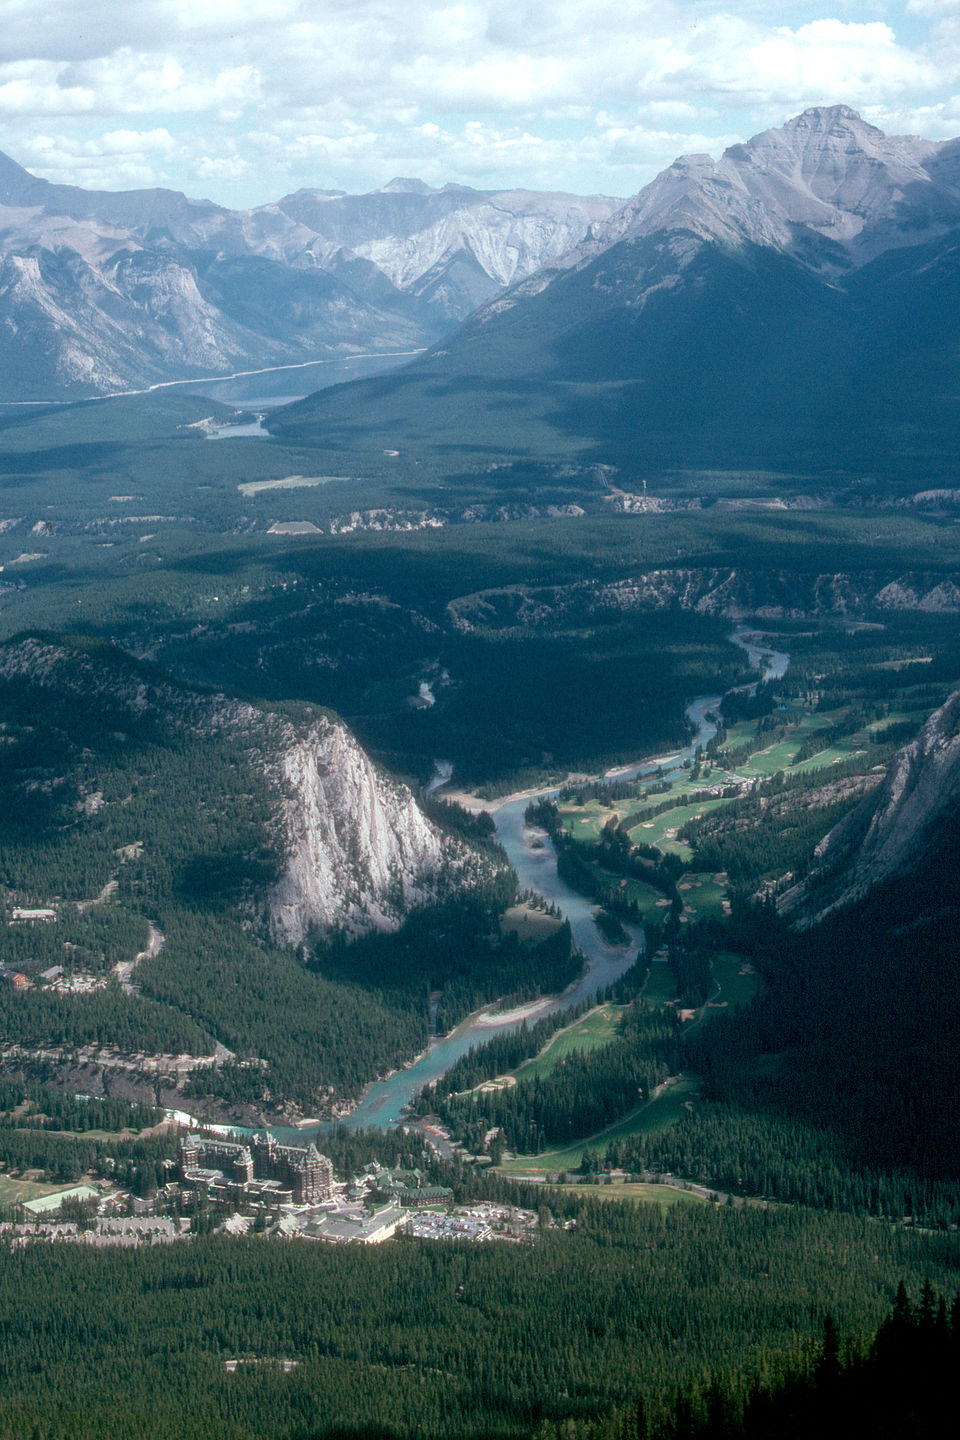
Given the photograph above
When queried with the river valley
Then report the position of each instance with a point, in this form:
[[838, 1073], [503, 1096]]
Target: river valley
[[532, 856]]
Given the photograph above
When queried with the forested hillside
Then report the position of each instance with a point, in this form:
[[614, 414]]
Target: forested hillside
[[144, 822], [506, 622], [413, 1340]]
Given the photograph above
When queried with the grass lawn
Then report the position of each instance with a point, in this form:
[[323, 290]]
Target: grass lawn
[[646, 897], [738, 983], [528, 923], [590, 1032], [770, 759], [896, 717], [661, 831], [98, 1134], [832, 755], [646, 832], [741, 733], [661, 986], [703, 895], [737, 986], [584, 822], [638, 1192], [660, 1114], [13, 1191]]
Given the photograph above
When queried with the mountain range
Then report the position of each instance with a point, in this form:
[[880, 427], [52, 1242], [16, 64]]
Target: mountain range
[[102, 291], [792, 304]]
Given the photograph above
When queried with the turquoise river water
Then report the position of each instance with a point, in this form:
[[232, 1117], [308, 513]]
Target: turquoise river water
[[536, 867]]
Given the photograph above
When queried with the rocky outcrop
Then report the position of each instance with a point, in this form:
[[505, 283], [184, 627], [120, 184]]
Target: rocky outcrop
[[727, 593], [355, 851], [358, 851], [889, 832]]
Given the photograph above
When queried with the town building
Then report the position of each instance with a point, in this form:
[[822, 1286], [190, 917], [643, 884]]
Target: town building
[[260, 1167], [308, 1173], [345, 1229], [409, 1188]]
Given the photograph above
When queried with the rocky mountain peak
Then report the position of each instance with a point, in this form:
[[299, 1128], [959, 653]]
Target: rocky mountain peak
[[833, 119], [827, 174], [17, 185], [401, 186], [825, 149]]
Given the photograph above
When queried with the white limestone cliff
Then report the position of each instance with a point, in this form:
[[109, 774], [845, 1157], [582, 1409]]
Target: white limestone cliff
[[510, 235], [355, 850], [358, 851]]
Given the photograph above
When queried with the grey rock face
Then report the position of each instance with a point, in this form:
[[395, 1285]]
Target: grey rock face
[[104, 291], [357, 852], [886, 834], [825, 176]]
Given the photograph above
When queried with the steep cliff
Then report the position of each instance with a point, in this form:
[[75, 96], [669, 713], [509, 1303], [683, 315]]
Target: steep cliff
[[893, 831], [358, 852], [353, 851]]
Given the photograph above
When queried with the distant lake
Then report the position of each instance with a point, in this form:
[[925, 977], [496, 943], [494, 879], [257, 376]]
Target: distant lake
[[253, 430], [269, 388]]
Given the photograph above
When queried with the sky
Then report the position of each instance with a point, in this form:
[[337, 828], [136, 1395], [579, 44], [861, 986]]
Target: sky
[[243, 101]]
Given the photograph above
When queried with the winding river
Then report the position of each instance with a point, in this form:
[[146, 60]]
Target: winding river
[[536, 867]]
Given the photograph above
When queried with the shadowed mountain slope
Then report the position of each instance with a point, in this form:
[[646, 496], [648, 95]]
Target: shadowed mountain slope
[[905, 831], [792, 304]]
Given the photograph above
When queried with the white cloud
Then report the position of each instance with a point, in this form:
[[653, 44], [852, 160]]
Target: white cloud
[[830, 59], [260, 95], [133, 83]]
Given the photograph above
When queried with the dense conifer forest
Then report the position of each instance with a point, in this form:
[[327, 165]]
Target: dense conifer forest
[[899, 1383], [420, 1340], [820, 1103], [581, 1096]]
